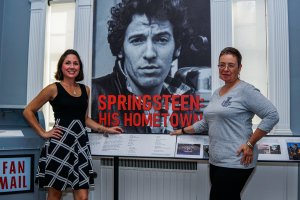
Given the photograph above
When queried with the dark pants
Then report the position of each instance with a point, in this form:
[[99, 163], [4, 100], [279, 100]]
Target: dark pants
[[227, 183]]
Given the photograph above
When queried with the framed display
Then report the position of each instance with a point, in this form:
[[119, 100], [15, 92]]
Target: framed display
[[283, 148], [270, 148], [134, 145]]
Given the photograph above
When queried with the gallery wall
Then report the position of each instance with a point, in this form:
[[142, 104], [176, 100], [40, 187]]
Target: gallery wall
[[14, 40], [14, 54]]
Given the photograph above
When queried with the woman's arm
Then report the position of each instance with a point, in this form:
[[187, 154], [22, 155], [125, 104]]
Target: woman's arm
[[183, 130], [197, 127], [257, 103], [263, 108], [43, 97], [96, 126]]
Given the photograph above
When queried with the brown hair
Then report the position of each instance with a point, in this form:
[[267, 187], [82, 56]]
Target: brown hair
[[232, 51], [59, 75]]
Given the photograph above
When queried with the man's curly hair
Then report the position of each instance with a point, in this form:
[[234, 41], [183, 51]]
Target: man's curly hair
[[121, 16]]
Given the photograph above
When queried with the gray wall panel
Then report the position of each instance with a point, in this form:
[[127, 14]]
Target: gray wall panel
[[14, 51], [294, 33]]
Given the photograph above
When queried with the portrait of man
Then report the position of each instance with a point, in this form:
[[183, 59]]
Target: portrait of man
[[147, 91]]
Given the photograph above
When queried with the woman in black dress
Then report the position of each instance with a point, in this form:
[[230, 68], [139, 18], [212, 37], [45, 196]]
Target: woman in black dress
[[65, 160]]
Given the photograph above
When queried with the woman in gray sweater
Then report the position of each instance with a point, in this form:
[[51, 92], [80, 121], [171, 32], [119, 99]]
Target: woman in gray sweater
[[228, 120]]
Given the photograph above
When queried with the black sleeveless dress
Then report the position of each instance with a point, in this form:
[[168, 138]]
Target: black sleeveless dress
[[67, 162]]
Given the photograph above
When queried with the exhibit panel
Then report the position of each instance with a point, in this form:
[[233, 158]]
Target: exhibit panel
[[286, 183], [148, 169], [221, 23]]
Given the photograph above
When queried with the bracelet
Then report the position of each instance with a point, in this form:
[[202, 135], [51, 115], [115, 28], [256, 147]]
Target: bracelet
[[101, 129], [182, 130], [249, 145]]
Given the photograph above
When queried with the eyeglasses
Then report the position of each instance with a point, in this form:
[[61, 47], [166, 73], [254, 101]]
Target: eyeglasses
[[229, 65]]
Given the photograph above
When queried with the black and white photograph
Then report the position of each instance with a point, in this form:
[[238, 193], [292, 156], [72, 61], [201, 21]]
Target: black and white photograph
[[275, 149], [144, 52]]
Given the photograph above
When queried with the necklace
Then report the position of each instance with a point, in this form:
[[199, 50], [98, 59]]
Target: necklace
[[74, 88]]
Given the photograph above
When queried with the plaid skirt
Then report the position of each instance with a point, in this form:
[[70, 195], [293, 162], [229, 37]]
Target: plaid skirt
[[67, 162]]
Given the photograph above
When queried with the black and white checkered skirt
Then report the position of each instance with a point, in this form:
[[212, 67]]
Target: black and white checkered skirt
[[66, 163]]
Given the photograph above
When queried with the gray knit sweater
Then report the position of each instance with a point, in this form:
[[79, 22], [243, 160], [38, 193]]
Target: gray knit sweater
[[228, 119]]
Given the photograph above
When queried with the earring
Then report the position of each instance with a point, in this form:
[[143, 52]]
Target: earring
[[120, 55]]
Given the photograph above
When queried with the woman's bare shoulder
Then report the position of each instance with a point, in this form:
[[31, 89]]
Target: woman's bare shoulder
[[87, 90], [51, 90]]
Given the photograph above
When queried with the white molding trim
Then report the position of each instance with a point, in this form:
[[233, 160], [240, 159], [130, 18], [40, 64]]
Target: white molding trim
[[278, 63], [83, 43], [83, 36], [221, 34], [35, 72]]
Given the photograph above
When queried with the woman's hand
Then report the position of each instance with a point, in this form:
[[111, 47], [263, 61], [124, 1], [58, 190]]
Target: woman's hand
[[247, 157], [113, 130], [176, 132], [53, 133]]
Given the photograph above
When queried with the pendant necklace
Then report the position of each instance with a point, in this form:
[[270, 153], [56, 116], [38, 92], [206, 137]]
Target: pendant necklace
[[74, 89]]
